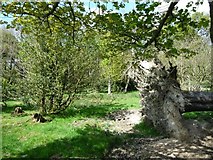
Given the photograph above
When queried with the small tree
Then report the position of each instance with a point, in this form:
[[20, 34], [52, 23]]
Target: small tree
[[194, 70], [56, 70], [113, 62]]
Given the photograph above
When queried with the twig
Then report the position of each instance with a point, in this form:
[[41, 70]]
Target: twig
[[73, 26]]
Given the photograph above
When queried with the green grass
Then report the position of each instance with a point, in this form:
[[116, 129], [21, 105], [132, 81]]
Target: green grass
[[205, 115], [23, 138], [144, 130], [80, 131]]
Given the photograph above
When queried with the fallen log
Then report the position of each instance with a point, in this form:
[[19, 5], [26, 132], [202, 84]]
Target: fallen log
[[199, 96], [198, 101], [198, 107]]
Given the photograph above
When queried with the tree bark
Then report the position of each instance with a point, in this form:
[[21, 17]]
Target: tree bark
[[192, 107], [211, 37], [198, 101]]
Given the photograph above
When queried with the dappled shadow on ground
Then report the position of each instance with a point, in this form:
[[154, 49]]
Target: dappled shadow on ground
[[90, 143], [90, 111], [163, 148]]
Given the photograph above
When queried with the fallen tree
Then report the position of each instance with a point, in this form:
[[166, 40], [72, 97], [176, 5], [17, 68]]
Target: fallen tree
[[163, 101], [161, 97], [198, 101]]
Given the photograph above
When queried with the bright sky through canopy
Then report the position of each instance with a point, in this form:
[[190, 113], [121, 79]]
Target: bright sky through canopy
[[129, 6]]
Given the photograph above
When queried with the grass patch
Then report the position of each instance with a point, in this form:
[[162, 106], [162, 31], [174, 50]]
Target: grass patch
[[80, 131], [98, 105], [11, 105], [204, 115], [23, 138], [145, 130]]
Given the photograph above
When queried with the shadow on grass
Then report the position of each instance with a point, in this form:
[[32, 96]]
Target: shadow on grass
[[11, 105], [91, 143], [90, 111], [204, 115]]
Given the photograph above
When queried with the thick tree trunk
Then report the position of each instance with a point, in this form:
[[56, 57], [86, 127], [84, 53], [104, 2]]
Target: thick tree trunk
[[162, 98], [199, 96]]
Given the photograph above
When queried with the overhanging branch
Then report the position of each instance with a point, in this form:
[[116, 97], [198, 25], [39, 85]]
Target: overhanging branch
[[162, 23]]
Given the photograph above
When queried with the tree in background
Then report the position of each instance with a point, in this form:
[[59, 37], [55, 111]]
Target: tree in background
[[59, 55], [10, 65], [113, 63], [193, 69]]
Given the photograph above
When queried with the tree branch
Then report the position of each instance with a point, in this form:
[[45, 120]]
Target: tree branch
[[73, 26], [61, 20], [134, 37], [52, 10], [162, 23]]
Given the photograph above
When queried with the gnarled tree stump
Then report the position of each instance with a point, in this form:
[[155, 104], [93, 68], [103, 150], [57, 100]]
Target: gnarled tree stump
[[163, 101], [37, 117], [161, 97], [17, 111]]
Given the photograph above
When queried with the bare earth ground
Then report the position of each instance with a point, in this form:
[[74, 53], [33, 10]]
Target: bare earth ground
[[160, 148], [154, 148]]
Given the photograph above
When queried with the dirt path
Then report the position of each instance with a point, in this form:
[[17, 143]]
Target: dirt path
[[150, 148], [155, 148], [123, 121]]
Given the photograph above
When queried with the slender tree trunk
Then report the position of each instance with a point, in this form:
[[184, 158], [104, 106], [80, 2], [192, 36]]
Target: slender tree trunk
[[212, 67], [4, 103], [211, 37], [127, 84], [43, 103], [109, 86], [51, 103]]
